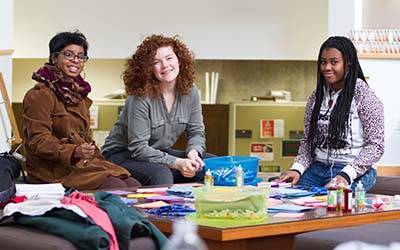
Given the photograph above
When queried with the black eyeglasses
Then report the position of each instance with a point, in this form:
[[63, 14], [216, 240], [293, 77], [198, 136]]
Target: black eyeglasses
[[69, 55]]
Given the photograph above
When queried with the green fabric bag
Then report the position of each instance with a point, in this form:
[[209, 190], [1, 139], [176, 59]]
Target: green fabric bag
[[127, 221], [82, 232]]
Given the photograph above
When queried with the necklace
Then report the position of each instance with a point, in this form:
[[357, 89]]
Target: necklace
[[330, 102]]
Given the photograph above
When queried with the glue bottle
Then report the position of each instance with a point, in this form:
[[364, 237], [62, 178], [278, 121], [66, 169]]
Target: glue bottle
[[332, 196], [239, 176], [359, 196], [208, 179], [348, 199], [340, 197]]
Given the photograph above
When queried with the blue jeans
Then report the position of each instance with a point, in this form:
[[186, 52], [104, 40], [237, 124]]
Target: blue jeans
[[319, 174]]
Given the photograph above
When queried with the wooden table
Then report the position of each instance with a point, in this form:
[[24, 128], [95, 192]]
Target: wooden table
[[278, 233]]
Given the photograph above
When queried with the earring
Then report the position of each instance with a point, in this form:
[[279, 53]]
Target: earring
[[83, 74]]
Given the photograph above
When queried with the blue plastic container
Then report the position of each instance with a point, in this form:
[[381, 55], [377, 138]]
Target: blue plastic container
[[223, 169]]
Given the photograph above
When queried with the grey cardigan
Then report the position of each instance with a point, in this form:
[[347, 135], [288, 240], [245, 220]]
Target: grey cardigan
[[145, 127]]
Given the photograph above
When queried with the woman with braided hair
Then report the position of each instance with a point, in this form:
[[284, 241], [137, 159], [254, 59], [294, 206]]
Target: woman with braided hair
[[343, 125]]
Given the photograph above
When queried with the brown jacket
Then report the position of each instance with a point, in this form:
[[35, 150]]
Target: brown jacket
[[52, 130]]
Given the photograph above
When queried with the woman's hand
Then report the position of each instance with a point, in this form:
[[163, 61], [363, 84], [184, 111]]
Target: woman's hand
[[194, 156], [85, 151], [290, 176], [187, 167], [339, 179]]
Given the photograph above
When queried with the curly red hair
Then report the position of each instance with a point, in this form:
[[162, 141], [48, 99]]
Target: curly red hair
[[138, 75]]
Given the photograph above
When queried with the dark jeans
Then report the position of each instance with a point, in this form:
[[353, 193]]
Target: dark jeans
[[148, 173], [319, 174]]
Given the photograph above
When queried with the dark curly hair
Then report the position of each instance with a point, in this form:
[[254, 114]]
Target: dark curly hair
[[138, 75]]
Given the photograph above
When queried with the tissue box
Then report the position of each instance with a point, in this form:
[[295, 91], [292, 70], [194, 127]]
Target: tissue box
[[223, 169], [239, 203]]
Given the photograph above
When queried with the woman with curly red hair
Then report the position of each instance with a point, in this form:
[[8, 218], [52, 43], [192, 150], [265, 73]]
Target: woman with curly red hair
[[162, 103]]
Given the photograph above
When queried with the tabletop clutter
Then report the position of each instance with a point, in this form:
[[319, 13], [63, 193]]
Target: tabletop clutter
[[233, 195]]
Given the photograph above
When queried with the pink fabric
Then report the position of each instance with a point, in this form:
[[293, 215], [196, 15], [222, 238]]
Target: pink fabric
[[89, 206], [16, 199]]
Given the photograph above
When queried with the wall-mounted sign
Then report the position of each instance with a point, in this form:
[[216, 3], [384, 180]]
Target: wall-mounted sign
[[290, 148], [264, 167], [243, 133], [262, 150], [272, 128]]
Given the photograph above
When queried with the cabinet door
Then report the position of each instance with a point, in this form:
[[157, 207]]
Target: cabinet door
[[281, 145], [216, 122]]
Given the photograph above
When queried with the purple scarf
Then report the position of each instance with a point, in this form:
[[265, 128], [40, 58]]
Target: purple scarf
[[69, 90]]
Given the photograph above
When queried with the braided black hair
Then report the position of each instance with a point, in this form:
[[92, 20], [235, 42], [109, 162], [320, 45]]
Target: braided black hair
[[340, 114]]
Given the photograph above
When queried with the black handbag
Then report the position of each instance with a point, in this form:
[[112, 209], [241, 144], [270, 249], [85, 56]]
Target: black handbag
[[10, 170], [10, 166]]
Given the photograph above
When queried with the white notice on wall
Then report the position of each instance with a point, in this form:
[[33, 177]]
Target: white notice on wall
[[272, 128], [263, 150]]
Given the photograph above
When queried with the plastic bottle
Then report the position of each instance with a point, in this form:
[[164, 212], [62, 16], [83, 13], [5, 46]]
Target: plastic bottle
[[239, 176], [348, 199], [340, 197], [359, 196], [208, 179], [332, 196], [185, 237]]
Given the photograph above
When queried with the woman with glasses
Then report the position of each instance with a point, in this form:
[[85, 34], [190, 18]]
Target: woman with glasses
[[163, 103], [56, 123]]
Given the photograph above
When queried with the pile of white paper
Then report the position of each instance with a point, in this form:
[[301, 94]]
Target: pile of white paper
[[40, 191]]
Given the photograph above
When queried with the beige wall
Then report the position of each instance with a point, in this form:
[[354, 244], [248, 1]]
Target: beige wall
[[222, 29], [239, 80], [381, 14]]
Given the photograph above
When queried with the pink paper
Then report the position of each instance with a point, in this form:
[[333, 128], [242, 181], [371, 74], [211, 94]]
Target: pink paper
[[274, 202], [118, 192], [309, 202], [289, 215]]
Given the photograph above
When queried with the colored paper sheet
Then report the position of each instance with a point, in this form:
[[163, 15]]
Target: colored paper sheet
[[309, 202], [274, 202], [118, 192], [169, 199], [129, 202], [155, 204], [289, 215], [138, 196], [291, 191], [279, 184], [187, 185], [152, 190], [322, 198], [288, 208]]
